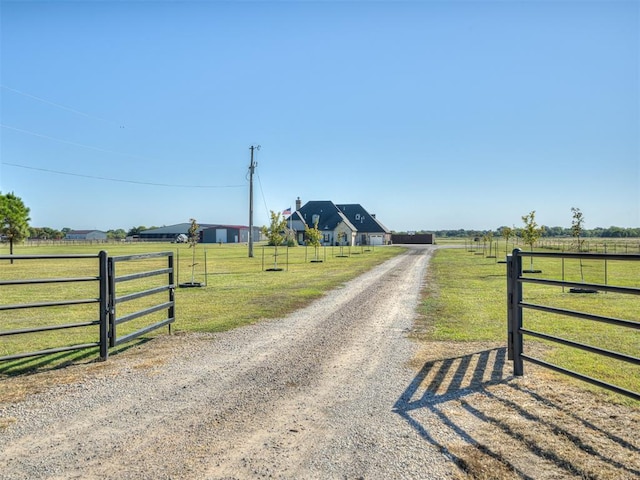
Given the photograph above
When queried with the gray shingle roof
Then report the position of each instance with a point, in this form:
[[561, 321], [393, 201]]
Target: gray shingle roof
[[363, 220], [329, 216]]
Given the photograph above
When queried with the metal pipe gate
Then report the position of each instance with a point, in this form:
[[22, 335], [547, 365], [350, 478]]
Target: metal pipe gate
[[105, 318], [516, 305]]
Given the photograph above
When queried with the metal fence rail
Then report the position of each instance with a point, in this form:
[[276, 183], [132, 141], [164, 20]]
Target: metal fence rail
[[100, 301], [115, 300], [516, 305], [106, 320]]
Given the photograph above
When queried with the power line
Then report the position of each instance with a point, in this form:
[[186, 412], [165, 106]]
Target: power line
[[263, 198], [58, 105], [95, 177], [35, 134]]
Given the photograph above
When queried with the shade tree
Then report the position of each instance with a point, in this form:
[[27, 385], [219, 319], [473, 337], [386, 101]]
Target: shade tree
[[14, 219]]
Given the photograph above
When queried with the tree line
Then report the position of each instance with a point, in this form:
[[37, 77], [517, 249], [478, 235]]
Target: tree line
[[47, 233], [599, 232], [14, 227], [14, 224]]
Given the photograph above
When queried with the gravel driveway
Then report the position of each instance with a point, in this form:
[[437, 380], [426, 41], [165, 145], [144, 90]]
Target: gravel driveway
[[311, 395], [332, 391]]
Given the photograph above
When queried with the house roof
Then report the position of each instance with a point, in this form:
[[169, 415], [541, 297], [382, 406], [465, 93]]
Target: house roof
[[329, 215], [295, 217], [173, 229], [239, 227], [363, 220], [184, 228]]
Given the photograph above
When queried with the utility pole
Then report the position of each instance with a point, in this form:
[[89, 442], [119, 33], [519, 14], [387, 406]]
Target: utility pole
[[252, 167]]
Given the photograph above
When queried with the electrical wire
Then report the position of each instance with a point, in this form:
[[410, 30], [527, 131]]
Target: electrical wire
[[263, 198], [91, 147], [120, 180], [35, 134], [100, 150], [58, 105]]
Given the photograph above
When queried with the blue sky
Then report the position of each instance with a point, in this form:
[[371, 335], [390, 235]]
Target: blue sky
[[431, 114]]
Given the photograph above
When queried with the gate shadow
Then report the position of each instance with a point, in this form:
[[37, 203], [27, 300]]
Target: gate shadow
[[440, 387]]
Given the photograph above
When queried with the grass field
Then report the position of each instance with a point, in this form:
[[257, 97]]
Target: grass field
[[238, 290], [562, 244], [465, 300]]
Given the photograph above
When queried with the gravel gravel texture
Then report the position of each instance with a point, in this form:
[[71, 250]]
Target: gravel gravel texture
[[333, 391], [313, 395]]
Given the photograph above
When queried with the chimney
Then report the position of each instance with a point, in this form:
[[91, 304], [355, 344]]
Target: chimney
[[298, 204]]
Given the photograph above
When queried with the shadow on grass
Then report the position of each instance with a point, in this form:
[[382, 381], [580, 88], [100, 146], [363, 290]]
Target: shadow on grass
[[61, 360], [488, 427]]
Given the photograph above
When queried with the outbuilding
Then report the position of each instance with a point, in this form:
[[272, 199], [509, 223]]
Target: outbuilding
[[85, 235]]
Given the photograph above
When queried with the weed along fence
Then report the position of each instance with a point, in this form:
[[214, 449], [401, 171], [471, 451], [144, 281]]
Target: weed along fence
[[582, 309], [46, 307]]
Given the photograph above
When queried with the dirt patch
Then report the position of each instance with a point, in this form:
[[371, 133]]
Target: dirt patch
[[537, 426]]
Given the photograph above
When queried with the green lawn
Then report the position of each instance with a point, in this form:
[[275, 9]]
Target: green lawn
[[465, 300], [238, 289]]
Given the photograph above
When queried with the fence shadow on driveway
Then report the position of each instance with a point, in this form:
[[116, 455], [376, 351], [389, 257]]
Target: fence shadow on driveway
[[489, 421], [441, 381]]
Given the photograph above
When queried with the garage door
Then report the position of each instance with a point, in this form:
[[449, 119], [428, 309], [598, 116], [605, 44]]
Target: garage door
[[376, 239]]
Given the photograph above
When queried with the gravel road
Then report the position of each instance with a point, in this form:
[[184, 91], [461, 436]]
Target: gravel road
[[311, 395]]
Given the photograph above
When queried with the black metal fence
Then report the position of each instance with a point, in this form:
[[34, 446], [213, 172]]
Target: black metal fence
[[104, 318], [516, 305], [115, 299]]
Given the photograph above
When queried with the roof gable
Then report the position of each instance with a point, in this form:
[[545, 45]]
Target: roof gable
[[329, 216], [363, 220]]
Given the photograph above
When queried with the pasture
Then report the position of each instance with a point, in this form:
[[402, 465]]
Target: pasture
[[465, 301], [464, 298], [237, 291]]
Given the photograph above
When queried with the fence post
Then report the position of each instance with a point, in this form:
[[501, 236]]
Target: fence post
[[111, 308], [104, 305], [516, 318], [172, 289], [510, 314]]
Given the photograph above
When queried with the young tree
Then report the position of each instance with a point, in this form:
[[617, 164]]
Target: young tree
[[275, 233], [488, 238], [342, 239], [507, 233], [531, 232], [313, 236], [577, 224], [14, 219], [193, 239]]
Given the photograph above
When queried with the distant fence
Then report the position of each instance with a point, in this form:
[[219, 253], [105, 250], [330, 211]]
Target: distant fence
[[421, 238], [105, 321], [516, 305], [592, 245]]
